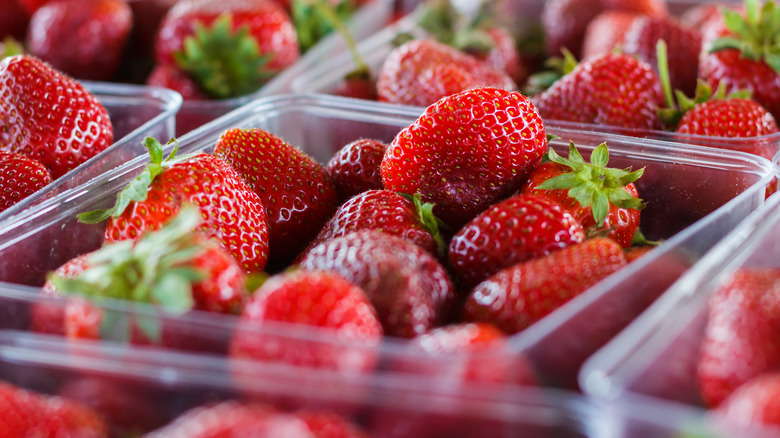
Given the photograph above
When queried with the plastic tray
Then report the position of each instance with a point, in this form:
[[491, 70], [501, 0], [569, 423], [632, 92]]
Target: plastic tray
[[695, 196], [136, 111], [656, 355], [371, 17], [525, 17]]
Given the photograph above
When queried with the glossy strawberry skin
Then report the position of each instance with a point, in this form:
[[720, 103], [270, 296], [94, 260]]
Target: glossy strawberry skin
[[740, 341], [518, 296], [467, 152], [610, 89], [96, 30], [421, 72], [355, 167], [26, 413], [50, 117], [755, 403], [20, 177], [515, 230], [232, 213], [623, 221], [267, 21], [297, 192], [381, 210], [409, 288], [319, 300]]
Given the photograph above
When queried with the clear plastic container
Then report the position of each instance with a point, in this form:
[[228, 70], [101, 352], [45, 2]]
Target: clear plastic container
[[136, 111], [655, 358], [695, 195], [371, 17]]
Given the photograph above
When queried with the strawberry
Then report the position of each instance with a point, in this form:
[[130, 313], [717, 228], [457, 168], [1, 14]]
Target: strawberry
[[320, 300], [20, 177], [565, 21], [740, 341], [755, 403], [605, 32], [388, 212], [30, 6], [196, 35], [409, 288], [26, 414], [596, 195], [96, 30], [296, 191], [514, 230], [466, 152], [746, 56], [329, 425], [232, 213], [172, 77], [173, 268], [355, 167], [611, 89], [13, 20], [522, 294], [49, 116], [420, 72]]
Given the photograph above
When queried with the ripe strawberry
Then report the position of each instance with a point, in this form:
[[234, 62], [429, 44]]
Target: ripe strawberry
[[96, 31], [30, 6], [355, 167], [49, 116], [388, 212], [745, 58], [408, 287], [20, 177], [329, 425], [740, 341], [564, 21], [597, 196], [734, 117], [296, 191], [172, 77], [232, 213], [466, 152], [173, 268], [321, 300], [611, 89], [26, 413], [420, 72], [195, 34], [518, 296], [13, 20], [515, 230], [605, 32], [755, 403]]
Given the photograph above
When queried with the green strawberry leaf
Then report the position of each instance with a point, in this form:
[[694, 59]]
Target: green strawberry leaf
[[10, 47], [255, 280], [314, 19], [150, 326], [115, 326], [756, 34]]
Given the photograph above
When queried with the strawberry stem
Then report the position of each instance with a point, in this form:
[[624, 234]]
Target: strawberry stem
[[324, 8]]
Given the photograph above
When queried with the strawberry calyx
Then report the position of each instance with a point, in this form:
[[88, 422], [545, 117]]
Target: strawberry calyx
[[756, 34], [313, 19], [224, 63], [556, 67], [138, 188], [10, 47], [156, 269], [433, 224], [466, 32], [594, 184], [677, 103]]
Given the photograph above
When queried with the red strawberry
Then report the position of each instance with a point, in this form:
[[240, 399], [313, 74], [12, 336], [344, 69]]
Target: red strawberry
[[596, 195], [466, 152], [20, 177], [408, 287], [610, 89], [520, 295], [232, 213], [320, 300], [173, 268], [31, 6], [174, 78], [605, 32], [96, 32], [420, 72], [756, 403], [195, 34], [745, 58], [329, 425], [564, 21], [517, 229], [296, 191], [741, 340], [27, 414], [735, 117], [388, 212], [49, 116], [355, 167], [13, 20]]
